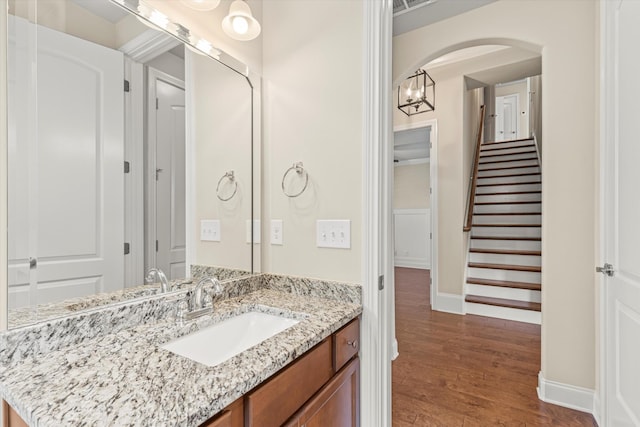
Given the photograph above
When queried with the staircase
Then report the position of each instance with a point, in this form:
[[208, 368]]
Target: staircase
[[503, 271]]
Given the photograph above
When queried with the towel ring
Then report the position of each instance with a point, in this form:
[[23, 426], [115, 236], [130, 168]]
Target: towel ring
[[299, 170], [232, 179]]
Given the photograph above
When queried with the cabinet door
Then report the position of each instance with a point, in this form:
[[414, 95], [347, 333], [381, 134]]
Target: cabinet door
[[231, 416], [337, 404]]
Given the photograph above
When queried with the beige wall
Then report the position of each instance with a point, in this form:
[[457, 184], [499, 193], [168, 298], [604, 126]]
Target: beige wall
[[568, 42], [312, 101], [519, 88], [222, 136], [411, 186]]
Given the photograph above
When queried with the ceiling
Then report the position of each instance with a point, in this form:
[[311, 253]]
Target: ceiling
[[409, 15], [411, 144], [104, 9]]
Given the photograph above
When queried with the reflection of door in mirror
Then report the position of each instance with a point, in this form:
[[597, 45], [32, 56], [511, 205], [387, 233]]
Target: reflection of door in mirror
[[65, 157]]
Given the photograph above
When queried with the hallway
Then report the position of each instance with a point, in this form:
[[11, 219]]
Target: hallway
[[466, 370]]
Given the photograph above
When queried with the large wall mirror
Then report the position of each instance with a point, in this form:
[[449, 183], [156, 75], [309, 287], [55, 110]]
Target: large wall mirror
[[126, 151]]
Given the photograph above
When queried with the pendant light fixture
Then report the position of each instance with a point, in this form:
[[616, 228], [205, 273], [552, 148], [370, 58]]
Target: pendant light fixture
[[202, 5], [240, 24], [417, 94]]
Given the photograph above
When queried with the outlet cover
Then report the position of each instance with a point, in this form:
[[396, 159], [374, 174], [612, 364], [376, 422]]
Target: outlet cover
[[276, 232]]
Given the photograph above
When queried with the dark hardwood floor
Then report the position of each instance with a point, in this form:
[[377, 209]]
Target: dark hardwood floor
[[466, 370]]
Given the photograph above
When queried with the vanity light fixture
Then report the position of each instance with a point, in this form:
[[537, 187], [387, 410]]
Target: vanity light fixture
[[240, 24], [202, 5], [417, 94]]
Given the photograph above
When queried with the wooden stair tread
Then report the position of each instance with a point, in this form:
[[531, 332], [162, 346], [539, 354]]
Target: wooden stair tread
[[511, 175], [501, 302], [506, 168], [508, 160], [505, 251], [507, 213], [497, 147], [527, 239], [490, 154], [509, 183], [512, 267], [504, 284], [509, 192], [506, 225], [507, 141], [513, 202]]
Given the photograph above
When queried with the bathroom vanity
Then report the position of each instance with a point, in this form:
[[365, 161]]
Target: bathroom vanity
[[117, 373]]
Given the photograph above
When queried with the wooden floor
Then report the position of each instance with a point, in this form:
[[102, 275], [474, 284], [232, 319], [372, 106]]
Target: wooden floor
[[466, 370]]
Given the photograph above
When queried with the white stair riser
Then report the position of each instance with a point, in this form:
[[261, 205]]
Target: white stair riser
[[508, 208], [508, 188], [505, 231], [526, 316], [489, 258], [507, 219], [508, 171], [504, 157], [509, 179], [510, 144], [517, 150], [513, 164], [525, 245], [509, 275], [504, 293], [529, 197]]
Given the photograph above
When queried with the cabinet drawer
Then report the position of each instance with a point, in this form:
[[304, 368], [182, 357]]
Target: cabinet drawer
[[280, 397], [346, 343], [231, 416]]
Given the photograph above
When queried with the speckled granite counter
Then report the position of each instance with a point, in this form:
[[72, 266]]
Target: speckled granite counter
[[121, 376]]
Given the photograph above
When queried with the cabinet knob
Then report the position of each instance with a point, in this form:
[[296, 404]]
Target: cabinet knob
[[353, 343]]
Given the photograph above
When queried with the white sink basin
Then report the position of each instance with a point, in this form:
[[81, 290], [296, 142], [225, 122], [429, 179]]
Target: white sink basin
[[217, 343]]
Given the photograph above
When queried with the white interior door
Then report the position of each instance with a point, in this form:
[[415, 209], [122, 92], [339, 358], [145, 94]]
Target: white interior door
[[622, 214], [506, 117], [170, 199], [71, 202]]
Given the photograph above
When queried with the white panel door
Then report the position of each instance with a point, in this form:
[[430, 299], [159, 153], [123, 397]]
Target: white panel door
[[506, 117], [170, 199], [75, 187], [622, 219]]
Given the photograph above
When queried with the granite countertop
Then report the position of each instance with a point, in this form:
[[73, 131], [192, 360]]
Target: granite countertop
[[123, 378]]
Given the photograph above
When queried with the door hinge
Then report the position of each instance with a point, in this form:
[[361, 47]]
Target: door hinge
[[381, 282], [127, 248], [33, 263], [157, 246], [157, 103], [430, 190], [127, 86], [127, 167], [606, 269]]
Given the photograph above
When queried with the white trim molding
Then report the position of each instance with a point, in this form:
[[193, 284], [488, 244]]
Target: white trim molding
[[566, 395], [449, 303], [412, 162], [148, 46]]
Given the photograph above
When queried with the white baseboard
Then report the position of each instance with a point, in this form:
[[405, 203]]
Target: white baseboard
[[420, 263], [569, 396], [450, 303], [394, 350], [596, 408]]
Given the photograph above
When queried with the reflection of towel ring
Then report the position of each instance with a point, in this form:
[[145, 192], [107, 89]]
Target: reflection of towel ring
[[299, 170], [229, 175]]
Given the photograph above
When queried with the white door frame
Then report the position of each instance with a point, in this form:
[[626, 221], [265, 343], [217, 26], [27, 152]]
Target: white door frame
[[377, 216], [433, 178]]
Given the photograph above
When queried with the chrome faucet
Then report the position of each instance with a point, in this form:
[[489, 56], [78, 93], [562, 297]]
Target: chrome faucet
[[154, 273], [197, 305]]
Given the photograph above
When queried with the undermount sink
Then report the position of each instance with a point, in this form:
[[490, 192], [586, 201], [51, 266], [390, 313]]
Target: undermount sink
[[216, 343]]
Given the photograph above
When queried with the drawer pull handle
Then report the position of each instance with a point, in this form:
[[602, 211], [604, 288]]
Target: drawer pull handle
[[353, 343]]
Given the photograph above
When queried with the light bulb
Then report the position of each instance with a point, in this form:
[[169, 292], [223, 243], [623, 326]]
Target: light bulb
[[160, 19], [240, 24]]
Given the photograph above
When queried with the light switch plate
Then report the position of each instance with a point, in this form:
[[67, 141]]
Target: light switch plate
[[210, 230], [276, 232], [256, 231], [335, 233]]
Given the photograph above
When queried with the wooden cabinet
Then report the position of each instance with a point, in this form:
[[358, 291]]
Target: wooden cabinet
[[337, 404], [11, 417], [231, 416]]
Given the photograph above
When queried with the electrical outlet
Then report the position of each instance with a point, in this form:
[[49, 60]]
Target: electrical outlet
[[333, 234], [210, 230], [276, 232]]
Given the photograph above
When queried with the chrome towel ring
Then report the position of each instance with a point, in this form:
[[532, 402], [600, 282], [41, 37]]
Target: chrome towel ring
[[232, 180], [297, 167]]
